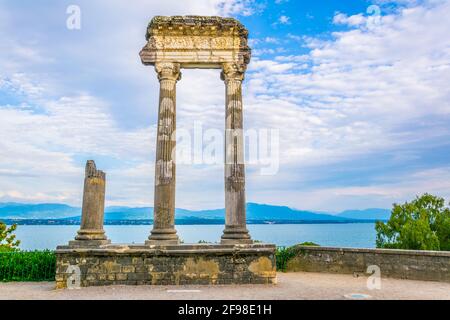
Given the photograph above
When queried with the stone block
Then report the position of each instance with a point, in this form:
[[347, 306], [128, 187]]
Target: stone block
[[128, 269], [121, 276]]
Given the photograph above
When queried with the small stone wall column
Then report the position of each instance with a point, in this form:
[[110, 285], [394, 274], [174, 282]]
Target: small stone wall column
[[164, 204], [91, 230], [235, 217]]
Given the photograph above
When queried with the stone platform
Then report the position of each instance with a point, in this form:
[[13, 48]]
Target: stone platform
[[199, 264]]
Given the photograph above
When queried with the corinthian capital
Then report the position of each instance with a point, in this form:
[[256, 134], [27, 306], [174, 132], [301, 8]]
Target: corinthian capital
[[232, 71], [168, 71]]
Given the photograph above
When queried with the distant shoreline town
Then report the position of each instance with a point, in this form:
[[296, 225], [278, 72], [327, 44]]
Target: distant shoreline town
[[68, 222], [62, 214]]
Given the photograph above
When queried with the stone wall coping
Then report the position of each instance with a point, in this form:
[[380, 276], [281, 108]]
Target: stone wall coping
[[181, 249], [377, 251]]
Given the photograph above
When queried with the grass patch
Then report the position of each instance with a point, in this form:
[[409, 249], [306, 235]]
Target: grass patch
[[27, 266], [284, 254]]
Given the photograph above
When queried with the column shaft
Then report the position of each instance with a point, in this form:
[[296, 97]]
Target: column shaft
[[164, 202], [235, 215], [91, 230]]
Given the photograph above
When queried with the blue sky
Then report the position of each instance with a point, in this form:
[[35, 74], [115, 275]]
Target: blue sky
[[361, 101]]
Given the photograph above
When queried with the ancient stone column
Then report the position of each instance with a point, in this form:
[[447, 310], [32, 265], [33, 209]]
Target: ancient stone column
[[235, 217], [91, 230], [164, 205]]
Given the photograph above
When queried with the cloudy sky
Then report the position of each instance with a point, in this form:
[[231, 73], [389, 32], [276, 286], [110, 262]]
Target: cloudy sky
[[358, 91]]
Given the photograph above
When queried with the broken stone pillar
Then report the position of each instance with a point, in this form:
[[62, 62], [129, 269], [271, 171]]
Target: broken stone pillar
[[164, 204], [235, 217], [91, 230]]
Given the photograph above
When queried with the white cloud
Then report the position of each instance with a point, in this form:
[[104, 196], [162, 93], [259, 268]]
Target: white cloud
[[270, 66], [400, 188], [239, 7], [294, 37], [355, 20], [271, 40], [284, 20], [293, 58]]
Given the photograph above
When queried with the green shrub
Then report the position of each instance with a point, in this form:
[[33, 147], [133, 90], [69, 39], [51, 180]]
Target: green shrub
[[8, 242], [27, 266], [422, 224], [308, 243], [284, 254]]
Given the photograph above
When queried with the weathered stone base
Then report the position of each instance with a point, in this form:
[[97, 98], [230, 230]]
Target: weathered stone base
[[88, 243], [201, 264]]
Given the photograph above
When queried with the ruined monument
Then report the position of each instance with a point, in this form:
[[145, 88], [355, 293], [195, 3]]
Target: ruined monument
[[174, 43], [91, 232], [209, 43]]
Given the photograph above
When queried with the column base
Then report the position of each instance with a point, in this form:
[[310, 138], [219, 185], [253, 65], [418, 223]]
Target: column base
[[154, 242], [236, 241], [163, 237], [90, 234], [88, 243], [236, 235]]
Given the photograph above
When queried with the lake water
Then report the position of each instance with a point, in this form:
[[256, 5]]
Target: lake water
[[360, 235]]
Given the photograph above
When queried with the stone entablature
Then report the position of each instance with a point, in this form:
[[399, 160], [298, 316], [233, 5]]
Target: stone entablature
[[196, 42]]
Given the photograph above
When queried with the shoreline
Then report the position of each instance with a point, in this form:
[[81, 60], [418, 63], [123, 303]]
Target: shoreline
[[58, 222]]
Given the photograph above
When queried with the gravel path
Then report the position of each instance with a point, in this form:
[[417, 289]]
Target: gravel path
[[290, 286]]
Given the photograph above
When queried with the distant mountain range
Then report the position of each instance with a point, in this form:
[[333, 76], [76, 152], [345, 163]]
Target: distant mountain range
[[255, 212], [37, 211], [372, 214]]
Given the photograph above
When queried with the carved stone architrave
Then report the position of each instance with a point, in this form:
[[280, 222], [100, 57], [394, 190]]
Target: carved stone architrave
[[196, 42]]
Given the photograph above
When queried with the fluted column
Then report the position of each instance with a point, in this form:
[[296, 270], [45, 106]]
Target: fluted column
[[164, 205], [235, 217], [91, 230]]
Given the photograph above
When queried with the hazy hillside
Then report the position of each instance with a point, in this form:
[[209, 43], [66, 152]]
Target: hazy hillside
[[254, 212], [266, 212], [372, 214], [37, 211]]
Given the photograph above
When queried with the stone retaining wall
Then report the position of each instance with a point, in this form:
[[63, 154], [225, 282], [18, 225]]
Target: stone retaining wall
[[166, 265], [402, 264]]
